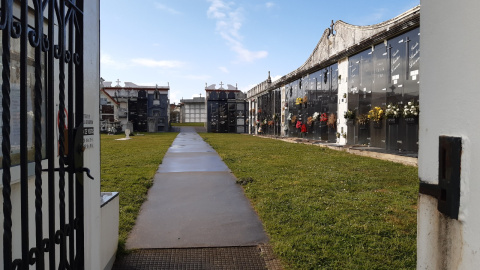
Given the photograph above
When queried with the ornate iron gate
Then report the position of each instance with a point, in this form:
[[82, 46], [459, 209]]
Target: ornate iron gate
[[42, 71]]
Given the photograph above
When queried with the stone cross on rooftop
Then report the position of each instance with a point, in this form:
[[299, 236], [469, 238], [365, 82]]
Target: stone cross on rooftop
[[118, 82], [221, 84], [331, 29]]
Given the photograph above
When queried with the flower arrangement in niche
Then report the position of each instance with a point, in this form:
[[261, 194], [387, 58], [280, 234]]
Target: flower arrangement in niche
[[411, 110], [315, 116], [259, 111], [323, 117], [264, 122], [303, 128], [305, 99], [293, 119], [349, 115], [310, 120], [363, 119], [393, 111], [299, 124], [271, 123], [376, 114], [289, 116], [298, 101], [332, 120]]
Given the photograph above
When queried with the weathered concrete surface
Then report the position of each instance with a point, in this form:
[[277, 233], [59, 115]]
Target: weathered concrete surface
[[195, 202]]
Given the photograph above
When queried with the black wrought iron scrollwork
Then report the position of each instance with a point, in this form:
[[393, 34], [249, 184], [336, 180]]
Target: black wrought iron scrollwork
[[45, 43], [16, 30], [68, 56], [63, 23], [17, 264], [4, 14], [32, 256], [76, 58], [56, 51], [46, 245], [35, 36]]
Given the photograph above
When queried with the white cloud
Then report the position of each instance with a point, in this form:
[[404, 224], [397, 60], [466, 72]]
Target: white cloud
[[275, 78], [249, 87], [377, 16], [165, 8], [198, 77], [107, 60], [155, 63], [269, 4], [223, 69], [229, 22]]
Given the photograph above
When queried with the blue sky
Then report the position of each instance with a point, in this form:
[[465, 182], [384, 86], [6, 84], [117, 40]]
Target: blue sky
[[187, 43]]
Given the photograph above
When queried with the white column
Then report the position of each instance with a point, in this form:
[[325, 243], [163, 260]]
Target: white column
[[342, 99], [92, 155], [449, 106]]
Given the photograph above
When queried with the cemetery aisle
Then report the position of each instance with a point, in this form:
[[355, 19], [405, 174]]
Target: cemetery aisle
[[195, 202]]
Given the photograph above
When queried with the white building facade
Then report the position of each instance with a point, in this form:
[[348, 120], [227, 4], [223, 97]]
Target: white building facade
[[193, 110]]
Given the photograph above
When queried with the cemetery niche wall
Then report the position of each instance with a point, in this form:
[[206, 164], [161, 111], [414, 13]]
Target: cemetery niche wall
[[360, 86], [386, 77], [312, 105], [268, 113], [226, 110]]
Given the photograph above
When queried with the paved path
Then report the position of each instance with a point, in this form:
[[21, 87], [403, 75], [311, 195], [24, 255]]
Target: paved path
[[195, 202]]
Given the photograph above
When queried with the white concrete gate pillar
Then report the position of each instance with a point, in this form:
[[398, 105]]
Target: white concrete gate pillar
[[449, 99]]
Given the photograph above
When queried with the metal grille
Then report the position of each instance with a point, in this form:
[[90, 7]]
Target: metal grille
[[49, 35]]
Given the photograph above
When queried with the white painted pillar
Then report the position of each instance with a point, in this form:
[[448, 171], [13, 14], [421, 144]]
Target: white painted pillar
[[92, 155], [342, 99], [284, 114], [449, 106]]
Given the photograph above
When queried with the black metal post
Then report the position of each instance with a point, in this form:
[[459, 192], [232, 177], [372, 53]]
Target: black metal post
[[6, 26], [23, 134], [50, 96]]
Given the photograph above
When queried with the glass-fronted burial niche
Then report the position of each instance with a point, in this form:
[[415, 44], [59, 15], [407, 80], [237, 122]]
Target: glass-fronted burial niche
[[383, 94], [269, 112], [311, 107]]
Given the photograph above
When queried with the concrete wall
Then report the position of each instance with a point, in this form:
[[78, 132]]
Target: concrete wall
[[110, 215], [449, 100], [92, 155]]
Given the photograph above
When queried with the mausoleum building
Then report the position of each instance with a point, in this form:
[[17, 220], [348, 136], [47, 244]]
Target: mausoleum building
[[193, 110], [141, 108], [227, 109]]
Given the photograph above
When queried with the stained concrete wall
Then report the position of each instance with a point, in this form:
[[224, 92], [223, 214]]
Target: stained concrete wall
[[449, 100], [92, 155]]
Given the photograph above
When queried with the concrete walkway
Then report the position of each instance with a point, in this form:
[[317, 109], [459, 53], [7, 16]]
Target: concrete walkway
[[195, 202]]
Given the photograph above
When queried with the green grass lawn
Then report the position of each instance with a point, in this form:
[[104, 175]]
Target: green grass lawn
[[326, 209], [128, 167], [188, 124]]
